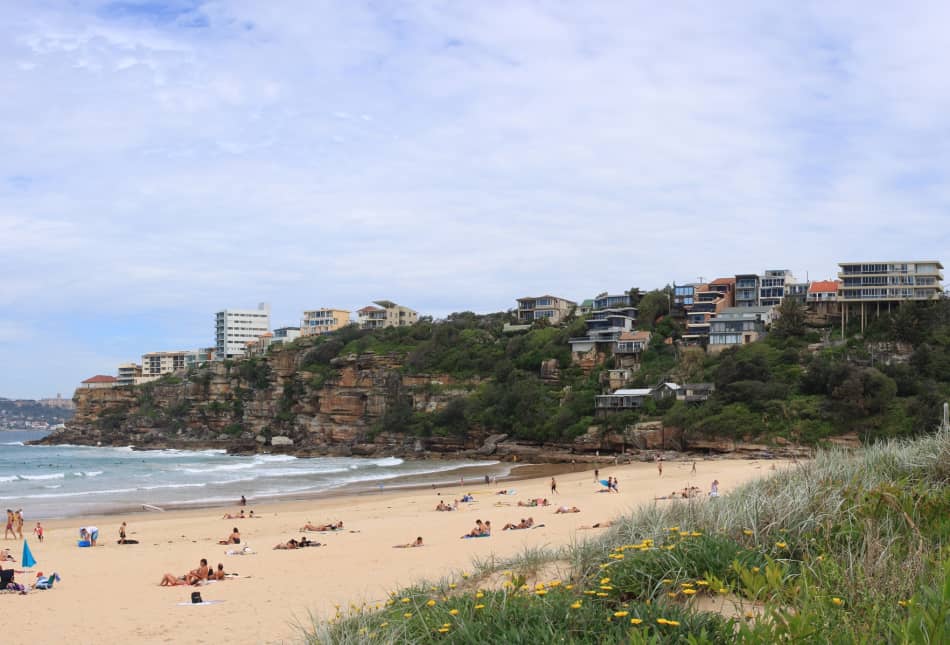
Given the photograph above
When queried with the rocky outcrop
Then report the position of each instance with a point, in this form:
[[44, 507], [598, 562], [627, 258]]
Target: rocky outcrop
[[292, 402]]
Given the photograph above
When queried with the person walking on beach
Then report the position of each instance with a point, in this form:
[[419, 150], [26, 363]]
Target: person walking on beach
[[694, 466], [659, 465], [553, 486], [243, 501], [18, 522], [9, 524], [38, 531], [596, 475]]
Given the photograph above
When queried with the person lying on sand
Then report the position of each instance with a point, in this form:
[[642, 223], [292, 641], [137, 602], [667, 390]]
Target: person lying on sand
[[170, 580], [234, 538], [289, 544], [6, 557], [413, 544], [323, 527], [239, 516], [523, 524], [598, 525], [442, 506], [565, 509]]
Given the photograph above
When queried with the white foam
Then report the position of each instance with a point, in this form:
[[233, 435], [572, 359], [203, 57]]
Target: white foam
[[37, 477], [9, 479]]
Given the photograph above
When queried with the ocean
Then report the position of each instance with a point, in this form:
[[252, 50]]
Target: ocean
[[67, 481]]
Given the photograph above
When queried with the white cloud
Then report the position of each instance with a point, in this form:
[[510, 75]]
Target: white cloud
[[455, 157]]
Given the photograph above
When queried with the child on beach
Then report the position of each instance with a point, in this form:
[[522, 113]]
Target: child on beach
[[38, 531]]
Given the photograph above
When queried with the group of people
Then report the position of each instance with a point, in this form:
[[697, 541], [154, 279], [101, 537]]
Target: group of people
[[14, 524], [442, 506], [534, 501], [196, 576], [482, 529], [240, 516], [523, 524]]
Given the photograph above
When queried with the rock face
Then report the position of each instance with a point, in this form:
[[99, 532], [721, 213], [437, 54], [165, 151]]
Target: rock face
[[269, 404], [282, 403]]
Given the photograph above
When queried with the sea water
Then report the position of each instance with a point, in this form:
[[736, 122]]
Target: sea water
[[66, 481]]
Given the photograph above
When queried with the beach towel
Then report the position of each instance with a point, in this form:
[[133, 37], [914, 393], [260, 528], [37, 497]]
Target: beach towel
[[476, 536], [604, 482], [199, 604]]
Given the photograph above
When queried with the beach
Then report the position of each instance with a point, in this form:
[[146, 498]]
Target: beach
[[111, 592]]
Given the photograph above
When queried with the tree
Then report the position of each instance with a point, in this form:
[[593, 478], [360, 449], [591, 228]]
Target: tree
[[791, 320], [653, 304]]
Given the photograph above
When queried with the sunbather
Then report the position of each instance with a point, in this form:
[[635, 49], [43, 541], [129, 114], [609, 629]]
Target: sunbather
[[234, 538], [333, 526], [480, 529], [413, 544], [565, 509], [239, 516], [289, 544]]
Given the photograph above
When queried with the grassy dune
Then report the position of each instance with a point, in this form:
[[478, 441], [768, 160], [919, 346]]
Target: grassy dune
[[847, 548]]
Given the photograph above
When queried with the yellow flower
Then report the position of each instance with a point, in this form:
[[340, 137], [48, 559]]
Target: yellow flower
[[689, 592], [443, 630], [781, 545], [452, 585], [674, 528], [661, 621], [686, 584], [479, 606], [606, 587], [601, 594], [506, 573], [837, 602], [576, 605], [903, 603], [386, 624], [755, 569], [453, 612], [554, 583], [568, 587], [605, 581], [446, 624], [673, 623], [746, 532], [431, 603], [702, 583], [604, 565], [508, 584], [636, 621], [465, 575], [590, 592], [723, 590], [541, 592], [405, 600], [480, 595], [666, 581], [408, 614], [540, 585], [695, 534], [621, 614], [670, 547], [684, 533]]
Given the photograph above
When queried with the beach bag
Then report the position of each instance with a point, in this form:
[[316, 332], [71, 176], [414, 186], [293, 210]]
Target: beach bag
[[196, 597]]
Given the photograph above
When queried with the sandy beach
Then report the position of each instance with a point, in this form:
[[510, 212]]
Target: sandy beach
[[111, 593]]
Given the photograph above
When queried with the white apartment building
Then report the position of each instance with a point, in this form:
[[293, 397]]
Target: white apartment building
[[234, 328]]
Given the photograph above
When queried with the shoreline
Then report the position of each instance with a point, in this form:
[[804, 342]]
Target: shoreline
[[277, 590]]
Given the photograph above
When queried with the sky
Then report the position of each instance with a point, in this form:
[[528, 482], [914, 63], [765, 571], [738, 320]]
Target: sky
[[160, 161]]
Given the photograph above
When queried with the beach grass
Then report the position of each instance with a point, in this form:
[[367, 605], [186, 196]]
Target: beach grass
[[850, 547]]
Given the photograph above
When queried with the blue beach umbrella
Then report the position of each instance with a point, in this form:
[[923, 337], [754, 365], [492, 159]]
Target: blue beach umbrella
[[27, 559]]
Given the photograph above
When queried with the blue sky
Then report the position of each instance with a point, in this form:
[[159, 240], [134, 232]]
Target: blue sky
[[163, 160]]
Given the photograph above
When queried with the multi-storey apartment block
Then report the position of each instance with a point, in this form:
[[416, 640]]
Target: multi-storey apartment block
[[738, 326], [747, 290], [128, 374], [886, 283], [550, 308], [233, 328], [890, 281], [323, 321], [611, 316], [387, 314], [773, 287]]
